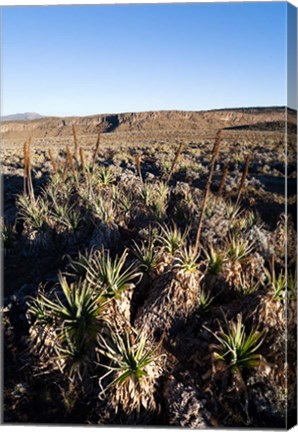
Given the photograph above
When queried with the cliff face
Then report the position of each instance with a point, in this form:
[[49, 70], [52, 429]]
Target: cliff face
[[145, 121]]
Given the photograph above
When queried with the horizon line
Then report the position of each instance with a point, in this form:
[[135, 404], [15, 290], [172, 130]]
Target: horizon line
[[148, 111]]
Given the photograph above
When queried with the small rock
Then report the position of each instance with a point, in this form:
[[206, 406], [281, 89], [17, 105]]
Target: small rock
[[185, 407], [150, 176]]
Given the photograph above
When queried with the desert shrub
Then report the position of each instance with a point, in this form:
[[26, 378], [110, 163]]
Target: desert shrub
[[67, 325], [215, 260], [171, 239], [109, 274], [34, 213], [147, 255], [236, 348], [134, 367]]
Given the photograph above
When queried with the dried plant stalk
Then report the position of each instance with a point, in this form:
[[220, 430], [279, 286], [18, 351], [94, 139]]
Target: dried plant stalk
[[29, 177], [65, 169], [138, 162], [54, 165], [273, 268], [82, 159], [109, 200], [96, 148], [70, 159], [175, 161], [74, 134], [223, 179], [25, 151], [215, 152], [243, 178]]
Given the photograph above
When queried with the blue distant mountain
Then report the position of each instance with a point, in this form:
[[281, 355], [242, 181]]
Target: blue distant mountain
[[21, 116]]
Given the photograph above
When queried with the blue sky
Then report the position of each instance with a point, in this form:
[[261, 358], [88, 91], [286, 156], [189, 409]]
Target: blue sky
[[80, 60]]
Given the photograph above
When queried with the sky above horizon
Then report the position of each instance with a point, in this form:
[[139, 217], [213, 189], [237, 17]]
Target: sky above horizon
[[81, 60]]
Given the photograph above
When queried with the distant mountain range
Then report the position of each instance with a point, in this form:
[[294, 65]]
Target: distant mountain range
[[22, 117]]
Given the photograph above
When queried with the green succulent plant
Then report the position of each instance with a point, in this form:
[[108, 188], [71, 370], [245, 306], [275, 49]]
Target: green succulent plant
[[236, 348], [171, 238], [205, 301], [105, 176], [239, 248], [133, 367], [187, 260], [215, 260], [147, 255], [33, 212], [111, 274], [277, 285]]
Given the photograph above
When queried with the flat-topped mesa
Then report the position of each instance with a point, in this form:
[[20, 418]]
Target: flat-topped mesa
[[171, 121]]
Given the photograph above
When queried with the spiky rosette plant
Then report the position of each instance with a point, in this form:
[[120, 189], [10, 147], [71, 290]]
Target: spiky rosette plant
[[102, 208], [71, 219], [235, 358], [173, 296], [147, 255], [115, 278], [272, 308], [64, 328], [171, 241], [42, 331], [105, 176], [215, 260], [206, 299], [233, 211], [235, 347], [33, 213], [285, 240], [78, 267], [103, 215], [154, 198], [239, 254], [124, 203], [134, 366]]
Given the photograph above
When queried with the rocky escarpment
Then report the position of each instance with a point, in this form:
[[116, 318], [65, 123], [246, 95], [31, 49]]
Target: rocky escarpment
[[146, 121]]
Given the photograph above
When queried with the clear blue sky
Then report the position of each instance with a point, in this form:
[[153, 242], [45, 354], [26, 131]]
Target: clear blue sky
[[80, 60]]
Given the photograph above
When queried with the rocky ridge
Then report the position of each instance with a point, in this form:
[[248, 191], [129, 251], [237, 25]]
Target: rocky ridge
[[149, 122]]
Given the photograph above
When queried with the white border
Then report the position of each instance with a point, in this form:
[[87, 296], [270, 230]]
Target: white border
[[11, 3]]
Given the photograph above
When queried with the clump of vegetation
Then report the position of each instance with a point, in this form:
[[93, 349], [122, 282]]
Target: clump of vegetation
[[215, 260], [126, 267], [70, 324], [134, 365], [147, 255], [236, 348]]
